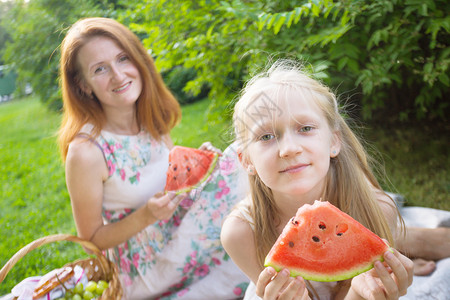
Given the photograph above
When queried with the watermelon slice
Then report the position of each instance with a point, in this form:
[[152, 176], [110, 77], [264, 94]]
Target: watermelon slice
[[189, 168], [322, 243]]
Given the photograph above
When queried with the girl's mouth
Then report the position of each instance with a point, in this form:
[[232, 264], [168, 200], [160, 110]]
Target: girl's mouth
[[294, 168]]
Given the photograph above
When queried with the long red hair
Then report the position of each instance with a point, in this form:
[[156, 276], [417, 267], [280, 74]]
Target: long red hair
[[157, 110]]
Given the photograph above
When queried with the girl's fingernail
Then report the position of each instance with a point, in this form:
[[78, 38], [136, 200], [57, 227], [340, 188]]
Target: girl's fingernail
[[378, 264], [270, 271], [285, 272], [389, 255]]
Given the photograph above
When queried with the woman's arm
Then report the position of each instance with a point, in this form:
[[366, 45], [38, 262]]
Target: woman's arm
[[86, 171]]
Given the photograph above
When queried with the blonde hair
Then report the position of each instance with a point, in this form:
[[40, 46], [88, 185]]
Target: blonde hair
[[157, 110], [355, 195]]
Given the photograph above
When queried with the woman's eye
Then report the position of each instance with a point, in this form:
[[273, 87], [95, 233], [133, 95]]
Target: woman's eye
[[123, 58], [99, 70]]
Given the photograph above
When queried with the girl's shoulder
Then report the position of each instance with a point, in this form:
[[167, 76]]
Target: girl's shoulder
[[238, 240], [389, 209], [237, 227]]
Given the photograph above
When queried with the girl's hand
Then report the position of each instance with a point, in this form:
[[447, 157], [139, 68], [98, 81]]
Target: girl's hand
[[162, 206], [280, 286], [385, 281]]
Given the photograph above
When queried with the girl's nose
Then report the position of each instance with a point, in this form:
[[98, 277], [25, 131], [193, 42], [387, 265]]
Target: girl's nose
[[289, 145]]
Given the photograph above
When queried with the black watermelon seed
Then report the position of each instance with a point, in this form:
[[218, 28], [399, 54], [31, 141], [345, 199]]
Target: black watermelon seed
[[293, 221], [188, 169], [339, 233], [316, 239], [291, 244], [322, 225]]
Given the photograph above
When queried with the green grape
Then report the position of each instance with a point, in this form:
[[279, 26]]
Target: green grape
[[101, 287], [87, 295], [69, 294], [103, 283], [79, 288], [91, 286], [77, 297]]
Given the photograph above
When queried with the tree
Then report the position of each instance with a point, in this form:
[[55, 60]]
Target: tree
[[393, 53], [36, 29], [4, 36]]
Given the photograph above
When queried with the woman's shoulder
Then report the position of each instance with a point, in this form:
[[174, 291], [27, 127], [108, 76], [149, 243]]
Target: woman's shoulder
[[83, 153]]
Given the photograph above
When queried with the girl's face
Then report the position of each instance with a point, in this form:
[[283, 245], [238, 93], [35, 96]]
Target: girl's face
[[109, 73], [290, 146]]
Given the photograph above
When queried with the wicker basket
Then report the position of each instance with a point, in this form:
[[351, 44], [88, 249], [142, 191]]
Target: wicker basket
[[96, 268]]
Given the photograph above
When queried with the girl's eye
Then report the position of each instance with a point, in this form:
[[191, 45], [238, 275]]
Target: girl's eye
[[266, 137], [306, 129]]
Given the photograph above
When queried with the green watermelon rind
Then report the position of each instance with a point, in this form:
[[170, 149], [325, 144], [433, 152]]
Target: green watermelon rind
[[327, 278], [203, 180]]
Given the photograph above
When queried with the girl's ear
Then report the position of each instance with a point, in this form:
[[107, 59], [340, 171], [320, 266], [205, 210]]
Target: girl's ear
[[248, 166], [335, 144]]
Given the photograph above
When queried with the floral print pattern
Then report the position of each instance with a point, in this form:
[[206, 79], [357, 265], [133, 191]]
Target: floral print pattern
[[126, 157], [174, 258]]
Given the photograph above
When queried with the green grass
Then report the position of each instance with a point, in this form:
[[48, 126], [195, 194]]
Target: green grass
[[34, 201]]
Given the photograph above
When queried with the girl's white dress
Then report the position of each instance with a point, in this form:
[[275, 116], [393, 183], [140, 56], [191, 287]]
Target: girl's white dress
[[181, 258], [318, 290]]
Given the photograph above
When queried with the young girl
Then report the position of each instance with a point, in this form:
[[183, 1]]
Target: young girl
[[115, 140], [297, 148]]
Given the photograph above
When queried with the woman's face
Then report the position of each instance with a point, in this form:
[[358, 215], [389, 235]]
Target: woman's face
[[290, 145], [108, 72]]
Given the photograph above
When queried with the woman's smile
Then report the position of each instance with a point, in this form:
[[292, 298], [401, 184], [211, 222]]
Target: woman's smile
[[122, 88]]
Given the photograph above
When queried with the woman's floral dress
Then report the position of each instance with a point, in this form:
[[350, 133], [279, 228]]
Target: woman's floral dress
[[181, 258]]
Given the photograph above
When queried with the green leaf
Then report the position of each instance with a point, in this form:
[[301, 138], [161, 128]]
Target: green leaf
[[278, 23], [428, 68], [315, 9], [262, 20], [342, 62], [290, 17], [444, 79], [271, 20]]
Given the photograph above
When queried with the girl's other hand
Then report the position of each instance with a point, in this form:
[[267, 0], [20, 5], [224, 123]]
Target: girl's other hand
[[273, 285], [388, 280], [162, 206]]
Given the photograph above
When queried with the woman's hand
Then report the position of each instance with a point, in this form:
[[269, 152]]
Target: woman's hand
[[162, 206], [388, 280], [280, 286], [208, 146]]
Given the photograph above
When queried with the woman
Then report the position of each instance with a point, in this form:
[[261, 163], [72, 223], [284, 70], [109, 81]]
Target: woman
[[115, 141]]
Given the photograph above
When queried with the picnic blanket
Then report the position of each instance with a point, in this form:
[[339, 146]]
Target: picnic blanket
[[435, 286]]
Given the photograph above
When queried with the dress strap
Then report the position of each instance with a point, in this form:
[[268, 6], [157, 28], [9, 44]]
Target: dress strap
[[92, 140], [242, 211]]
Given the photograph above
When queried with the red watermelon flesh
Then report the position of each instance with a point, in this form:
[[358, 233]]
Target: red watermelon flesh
[[189, 168], [322, 243]]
